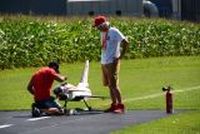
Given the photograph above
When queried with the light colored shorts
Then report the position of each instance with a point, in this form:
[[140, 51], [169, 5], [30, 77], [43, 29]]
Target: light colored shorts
[[110, 74]]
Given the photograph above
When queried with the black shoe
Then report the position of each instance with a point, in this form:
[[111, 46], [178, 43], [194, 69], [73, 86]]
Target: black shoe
[[35, 111]]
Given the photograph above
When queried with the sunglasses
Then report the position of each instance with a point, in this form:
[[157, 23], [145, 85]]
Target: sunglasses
[[101, 26]]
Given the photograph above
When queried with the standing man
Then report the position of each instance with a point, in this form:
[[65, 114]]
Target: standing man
[[114, 45], [40, 87]]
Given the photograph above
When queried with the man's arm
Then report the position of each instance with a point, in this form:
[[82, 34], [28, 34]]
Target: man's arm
[[124, 44], [60, 78], [30, 87]]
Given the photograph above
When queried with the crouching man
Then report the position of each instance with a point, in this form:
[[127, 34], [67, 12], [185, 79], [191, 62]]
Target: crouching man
[[40, 87]]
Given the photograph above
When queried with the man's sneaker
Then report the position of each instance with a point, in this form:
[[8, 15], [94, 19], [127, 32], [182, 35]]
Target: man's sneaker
[[111, 108], [35, 111], [120, 109]]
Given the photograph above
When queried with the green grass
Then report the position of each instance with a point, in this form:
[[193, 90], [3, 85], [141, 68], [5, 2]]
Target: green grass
[[184, 123], [138, 78]]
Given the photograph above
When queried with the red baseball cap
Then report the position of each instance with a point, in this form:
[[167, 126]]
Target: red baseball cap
[[99, 20]]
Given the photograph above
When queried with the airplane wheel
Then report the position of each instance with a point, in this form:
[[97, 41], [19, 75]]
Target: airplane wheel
[[70, 112]]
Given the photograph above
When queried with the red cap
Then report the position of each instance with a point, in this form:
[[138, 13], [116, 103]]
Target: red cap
[[99, 20]]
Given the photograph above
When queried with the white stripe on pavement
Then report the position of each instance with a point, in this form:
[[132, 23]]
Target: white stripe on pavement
[[5, 126], [31, 119], [39, 118]]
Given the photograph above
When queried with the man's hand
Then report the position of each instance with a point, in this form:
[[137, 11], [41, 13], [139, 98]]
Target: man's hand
[[60, 78], [116, 60], [124, 44]]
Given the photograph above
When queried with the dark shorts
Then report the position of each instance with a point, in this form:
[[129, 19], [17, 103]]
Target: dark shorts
[[46, 104]]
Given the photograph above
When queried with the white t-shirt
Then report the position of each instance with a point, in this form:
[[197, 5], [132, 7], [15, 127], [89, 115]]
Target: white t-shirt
[[112, 47]]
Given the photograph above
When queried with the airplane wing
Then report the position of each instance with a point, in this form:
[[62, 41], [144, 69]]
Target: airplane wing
[[98, 97]]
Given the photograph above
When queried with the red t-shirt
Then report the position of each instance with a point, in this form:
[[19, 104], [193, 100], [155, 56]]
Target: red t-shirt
[[42, 82]]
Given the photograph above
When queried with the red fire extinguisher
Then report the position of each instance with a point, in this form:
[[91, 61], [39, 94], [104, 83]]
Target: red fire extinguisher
[[169, 100]]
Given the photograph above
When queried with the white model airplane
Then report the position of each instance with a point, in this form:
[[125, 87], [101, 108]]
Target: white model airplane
[[68, 92]]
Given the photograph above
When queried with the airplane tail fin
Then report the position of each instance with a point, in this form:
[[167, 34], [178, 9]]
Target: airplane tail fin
[[84, 78]]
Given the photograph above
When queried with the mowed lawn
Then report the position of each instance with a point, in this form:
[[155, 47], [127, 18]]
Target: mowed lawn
[[141, 81]]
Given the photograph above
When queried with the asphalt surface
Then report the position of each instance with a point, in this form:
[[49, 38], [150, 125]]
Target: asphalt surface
[[21, 122]]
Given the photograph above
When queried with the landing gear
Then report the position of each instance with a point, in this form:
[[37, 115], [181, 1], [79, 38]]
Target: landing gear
[[81, 111]]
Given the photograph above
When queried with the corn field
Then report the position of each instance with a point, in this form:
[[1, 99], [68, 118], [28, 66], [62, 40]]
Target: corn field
[[34, 41]]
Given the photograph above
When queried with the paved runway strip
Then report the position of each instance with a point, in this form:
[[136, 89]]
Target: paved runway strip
[[22, 123]]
